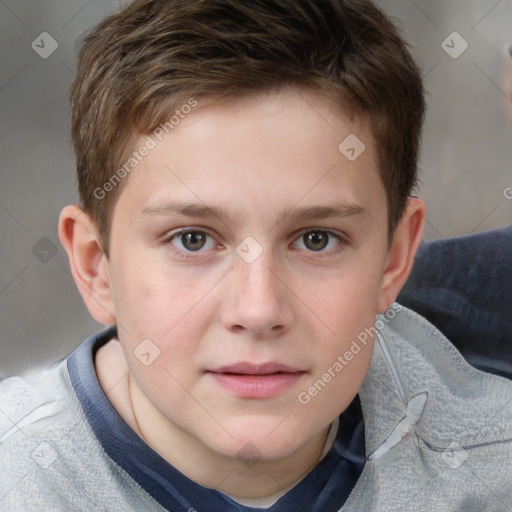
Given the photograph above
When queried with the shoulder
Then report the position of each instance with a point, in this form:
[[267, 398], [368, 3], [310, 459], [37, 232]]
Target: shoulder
[[33, 402], [436, 428], [49, 456], [41, 430], [36, 412], [458, 398]]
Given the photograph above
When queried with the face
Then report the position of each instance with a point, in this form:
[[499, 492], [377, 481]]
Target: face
[[247, 251]]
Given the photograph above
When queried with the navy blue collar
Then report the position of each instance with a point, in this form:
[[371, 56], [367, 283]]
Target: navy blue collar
[[324, 489]]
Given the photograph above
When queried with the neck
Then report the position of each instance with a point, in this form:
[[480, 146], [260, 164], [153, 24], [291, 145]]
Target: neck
[[241, 478]]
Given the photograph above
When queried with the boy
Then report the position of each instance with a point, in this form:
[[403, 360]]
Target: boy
[[245, 171]]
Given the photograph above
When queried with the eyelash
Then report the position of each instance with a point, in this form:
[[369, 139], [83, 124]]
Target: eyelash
[[342, 240]]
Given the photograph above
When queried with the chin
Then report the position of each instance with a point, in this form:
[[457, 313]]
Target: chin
[[254, 439]]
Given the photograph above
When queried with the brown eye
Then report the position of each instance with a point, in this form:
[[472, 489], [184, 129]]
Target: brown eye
[[316, 240], [192, 241]]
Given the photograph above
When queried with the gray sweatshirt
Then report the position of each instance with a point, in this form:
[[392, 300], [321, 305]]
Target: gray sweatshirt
[[438, 436]]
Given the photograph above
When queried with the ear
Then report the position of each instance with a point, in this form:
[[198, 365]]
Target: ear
[[406, 240], [89, 265]]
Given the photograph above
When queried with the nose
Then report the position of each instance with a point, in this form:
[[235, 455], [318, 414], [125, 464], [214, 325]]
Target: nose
[[257, 301]]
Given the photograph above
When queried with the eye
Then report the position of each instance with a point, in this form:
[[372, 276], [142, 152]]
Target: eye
[[192, 241], [317, 241]]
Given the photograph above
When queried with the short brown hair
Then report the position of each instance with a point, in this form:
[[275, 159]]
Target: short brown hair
[[140, 63]]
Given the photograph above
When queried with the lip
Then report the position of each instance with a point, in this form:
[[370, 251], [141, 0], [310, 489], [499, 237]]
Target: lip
[[247, 380], [256, 369]]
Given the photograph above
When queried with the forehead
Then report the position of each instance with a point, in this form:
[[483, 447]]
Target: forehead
[[259, 152]]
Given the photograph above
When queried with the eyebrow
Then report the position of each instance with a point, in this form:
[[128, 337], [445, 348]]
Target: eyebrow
[[307, 213], [188, 210], [336, 210]]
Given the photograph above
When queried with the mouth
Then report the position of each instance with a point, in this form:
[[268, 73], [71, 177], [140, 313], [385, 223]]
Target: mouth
[[247, 380]]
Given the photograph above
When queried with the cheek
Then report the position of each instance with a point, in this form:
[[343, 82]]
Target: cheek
[[335, 381], [341, 358], [347, 303], [158, 300], [171, 310]]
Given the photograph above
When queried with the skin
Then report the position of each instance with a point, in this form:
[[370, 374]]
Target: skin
[[508, 83], [260, 159]]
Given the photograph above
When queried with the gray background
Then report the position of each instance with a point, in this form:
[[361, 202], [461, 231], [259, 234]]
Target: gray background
[[465, 165]]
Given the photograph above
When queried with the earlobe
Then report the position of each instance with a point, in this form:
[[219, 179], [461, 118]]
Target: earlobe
[[89, 266], [406, 240]]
